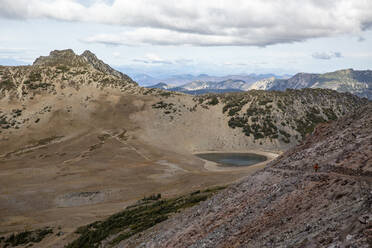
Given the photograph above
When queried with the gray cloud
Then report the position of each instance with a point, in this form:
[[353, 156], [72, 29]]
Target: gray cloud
[[326, 55], [204, 23]]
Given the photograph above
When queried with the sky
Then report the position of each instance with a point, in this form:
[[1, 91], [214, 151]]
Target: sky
[[217, 37]]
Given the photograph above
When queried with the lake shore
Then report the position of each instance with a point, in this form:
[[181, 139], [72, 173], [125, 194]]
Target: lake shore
[[216, 167]]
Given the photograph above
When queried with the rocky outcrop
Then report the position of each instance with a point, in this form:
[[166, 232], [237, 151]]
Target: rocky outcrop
[[69, 58], [102, 67], [263, 84], [288, 204], [60, 57]]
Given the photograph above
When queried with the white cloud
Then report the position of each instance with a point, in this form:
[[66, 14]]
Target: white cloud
[[206, 22], [152, 59], [326, 55]]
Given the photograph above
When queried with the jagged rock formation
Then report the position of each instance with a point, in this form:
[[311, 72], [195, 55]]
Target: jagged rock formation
[[102, 67], [288, 204], [69, 58], [349, 80], [60, 57]]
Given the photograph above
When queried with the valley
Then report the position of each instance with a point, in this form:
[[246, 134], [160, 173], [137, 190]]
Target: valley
[[80, 141]]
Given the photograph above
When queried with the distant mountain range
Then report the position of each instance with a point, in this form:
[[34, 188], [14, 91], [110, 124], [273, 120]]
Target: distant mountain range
[[349, 80], [182, 79], [202, 87]]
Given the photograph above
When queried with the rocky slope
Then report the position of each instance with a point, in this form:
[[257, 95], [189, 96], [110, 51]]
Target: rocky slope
[[353, 81], [248, 120], [288, 204]]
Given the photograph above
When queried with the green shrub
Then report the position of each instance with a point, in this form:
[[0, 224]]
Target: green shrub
[[247, 130], [34, 76], [284, 133], [234, 110], [237, 122], [63, 68], [28, 237], [165, 94], [330, 114], [264, 101], [152, 197], [6, 84], [252, 111], [213, 101], [258, 135]]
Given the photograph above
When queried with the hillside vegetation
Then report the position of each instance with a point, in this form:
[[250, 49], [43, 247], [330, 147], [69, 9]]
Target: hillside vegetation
[[279, 115]]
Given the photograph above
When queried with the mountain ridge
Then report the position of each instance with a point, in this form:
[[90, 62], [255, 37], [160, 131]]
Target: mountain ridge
[[346, 80], [182, 79]]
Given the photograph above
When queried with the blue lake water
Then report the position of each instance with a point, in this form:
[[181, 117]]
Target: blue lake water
[[233, 159]]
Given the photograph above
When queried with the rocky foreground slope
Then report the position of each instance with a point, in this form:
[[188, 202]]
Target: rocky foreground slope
[[288, 204]]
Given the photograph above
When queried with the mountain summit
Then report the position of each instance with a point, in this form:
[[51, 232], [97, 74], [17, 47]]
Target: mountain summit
[[69, 58], [60, 57], [101, 66]]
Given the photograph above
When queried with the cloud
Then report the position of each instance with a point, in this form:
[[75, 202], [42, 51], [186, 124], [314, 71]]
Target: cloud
[[204, 23], [18, 54], [12, 51], [152, 59], [326, 55], [184, 61], [228, 63], [116, 54]]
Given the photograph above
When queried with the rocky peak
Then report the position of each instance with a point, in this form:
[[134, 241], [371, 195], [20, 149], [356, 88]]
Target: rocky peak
[[98, 64], [67, 57], [60, 57]]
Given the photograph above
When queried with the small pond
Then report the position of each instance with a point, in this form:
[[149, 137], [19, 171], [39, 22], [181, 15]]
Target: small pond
[[233, 159]]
